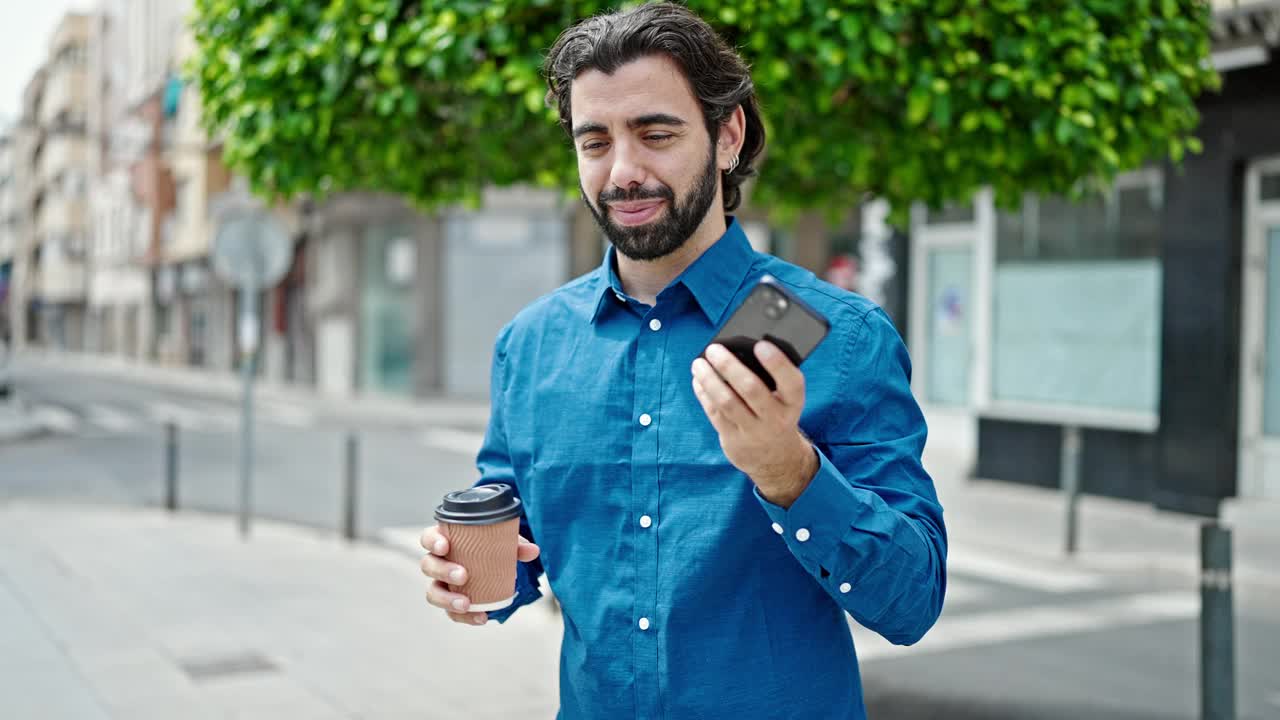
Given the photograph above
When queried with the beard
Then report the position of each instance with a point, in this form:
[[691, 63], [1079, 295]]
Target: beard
[[668, 233]]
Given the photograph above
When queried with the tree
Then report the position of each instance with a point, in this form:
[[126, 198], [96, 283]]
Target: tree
[[905, 99]]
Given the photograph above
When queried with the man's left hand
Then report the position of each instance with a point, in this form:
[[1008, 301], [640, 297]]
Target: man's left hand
[[759, 430]]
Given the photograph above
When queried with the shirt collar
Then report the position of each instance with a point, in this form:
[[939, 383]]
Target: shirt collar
[[713, 279]]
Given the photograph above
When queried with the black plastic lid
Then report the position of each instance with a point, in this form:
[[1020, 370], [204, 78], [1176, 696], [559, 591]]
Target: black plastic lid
[[480, 505]]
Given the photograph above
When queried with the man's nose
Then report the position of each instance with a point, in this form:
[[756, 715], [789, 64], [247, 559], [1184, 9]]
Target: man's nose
[[627, 169]]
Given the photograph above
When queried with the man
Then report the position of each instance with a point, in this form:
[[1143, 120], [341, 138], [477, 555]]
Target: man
[[704, 535]]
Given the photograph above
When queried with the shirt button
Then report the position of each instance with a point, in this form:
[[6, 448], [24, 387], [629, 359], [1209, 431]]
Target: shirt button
[[802, 534], [644, 623], [645, 419], [655, 324], [645, 521], [845, 587], [777, 528]]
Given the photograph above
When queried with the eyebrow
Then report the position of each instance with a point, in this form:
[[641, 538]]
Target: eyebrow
[[636, 122]]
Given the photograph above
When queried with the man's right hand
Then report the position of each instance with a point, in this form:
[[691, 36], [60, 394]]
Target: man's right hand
[[444, 573]]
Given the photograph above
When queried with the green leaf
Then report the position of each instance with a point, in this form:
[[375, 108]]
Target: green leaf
[[942, 110], [918, 104], [533, 99], [881, 41]]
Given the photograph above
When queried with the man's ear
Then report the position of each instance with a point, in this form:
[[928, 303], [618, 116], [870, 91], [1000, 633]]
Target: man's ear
[[733, 132]]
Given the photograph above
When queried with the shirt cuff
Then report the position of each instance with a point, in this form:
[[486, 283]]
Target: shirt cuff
[[815, 524], [526, 592]]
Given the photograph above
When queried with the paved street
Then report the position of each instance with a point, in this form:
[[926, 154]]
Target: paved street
[[1112, 635]]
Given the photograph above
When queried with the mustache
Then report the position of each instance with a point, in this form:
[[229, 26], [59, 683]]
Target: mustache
[[662, 192]]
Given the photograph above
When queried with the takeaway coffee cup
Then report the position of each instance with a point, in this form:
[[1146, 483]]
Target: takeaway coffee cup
[[483, 527]]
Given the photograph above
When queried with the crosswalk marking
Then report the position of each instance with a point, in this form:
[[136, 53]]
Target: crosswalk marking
[[1001, 570], [458, 441], [56, 418], [287, 414], [1027, 623], [197, 417], [190, 418], [110, 419]]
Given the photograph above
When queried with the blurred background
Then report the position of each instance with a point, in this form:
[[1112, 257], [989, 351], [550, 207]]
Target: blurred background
[[1092, 306]]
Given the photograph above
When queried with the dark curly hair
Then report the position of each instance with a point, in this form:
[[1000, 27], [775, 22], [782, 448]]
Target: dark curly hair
[[720, 79]]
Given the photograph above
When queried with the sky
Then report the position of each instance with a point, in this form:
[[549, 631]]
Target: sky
[[25, 27]]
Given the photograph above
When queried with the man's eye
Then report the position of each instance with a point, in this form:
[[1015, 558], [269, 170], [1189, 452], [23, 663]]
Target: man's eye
[[592, 146], [658, 137]]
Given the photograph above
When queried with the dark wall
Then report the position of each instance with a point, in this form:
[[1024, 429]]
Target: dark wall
[[1203, 231], [1112, 463], [1189, 465]]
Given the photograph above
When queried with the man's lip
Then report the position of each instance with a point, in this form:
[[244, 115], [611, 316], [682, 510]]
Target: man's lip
[[634, 207]]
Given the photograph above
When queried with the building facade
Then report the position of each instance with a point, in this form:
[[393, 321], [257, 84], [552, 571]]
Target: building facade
[[58, 189], [10, 217], [1145, 318]]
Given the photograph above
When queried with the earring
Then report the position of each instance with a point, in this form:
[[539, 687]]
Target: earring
[[733, 164]]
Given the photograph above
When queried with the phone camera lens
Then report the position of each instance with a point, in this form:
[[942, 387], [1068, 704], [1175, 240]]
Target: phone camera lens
[[772, 311]]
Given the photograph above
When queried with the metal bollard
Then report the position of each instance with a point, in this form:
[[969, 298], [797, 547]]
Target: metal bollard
[[350, 487], [1071, 485], [1217, 625], [171, 466]]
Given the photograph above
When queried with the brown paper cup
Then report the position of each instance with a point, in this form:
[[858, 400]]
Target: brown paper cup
[[488, 552]]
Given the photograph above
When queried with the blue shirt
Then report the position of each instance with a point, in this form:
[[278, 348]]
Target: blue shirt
[[685, 593]]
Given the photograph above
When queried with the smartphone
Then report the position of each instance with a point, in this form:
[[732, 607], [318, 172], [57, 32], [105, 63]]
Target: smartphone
[[773, 313]]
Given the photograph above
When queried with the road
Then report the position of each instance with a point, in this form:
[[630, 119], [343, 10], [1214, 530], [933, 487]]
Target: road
[[1021, 638]]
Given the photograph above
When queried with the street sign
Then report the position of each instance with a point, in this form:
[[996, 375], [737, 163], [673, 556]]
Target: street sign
[[251, 249]]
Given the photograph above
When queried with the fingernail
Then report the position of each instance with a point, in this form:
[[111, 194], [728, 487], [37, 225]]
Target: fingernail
[[715, 351], [456, 575], [439, 546], [766, 351], [459, 604], [479, 620]]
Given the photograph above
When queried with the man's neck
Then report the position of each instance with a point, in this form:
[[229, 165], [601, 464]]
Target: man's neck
[[644, 279]]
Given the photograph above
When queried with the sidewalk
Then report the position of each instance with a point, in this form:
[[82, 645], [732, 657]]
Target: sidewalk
[[134, 614], [15, 423], [1113, 535]]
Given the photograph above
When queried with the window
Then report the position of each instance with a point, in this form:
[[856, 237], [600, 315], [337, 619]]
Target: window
[[1122, 222], [1269, 188], [958, 213], [1076, 306]]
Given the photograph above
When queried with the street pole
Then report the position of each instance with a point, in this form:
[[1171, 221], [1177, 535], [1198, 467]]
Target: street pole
[[1217, 626], [248, 354], [171, 466], [350, 485], [1070, 469]]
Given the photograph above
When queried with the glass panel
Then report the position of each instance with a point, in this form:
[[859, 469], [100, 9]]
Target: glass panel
[[386, 313], [1271, 372], [1270, 187], [1084, 334], [1137, 222], [962, 213], [1118, 224], [950, 300]]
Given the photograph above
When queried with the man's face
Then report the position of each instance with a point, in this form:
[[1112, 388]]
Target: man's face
[[646, 166]]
